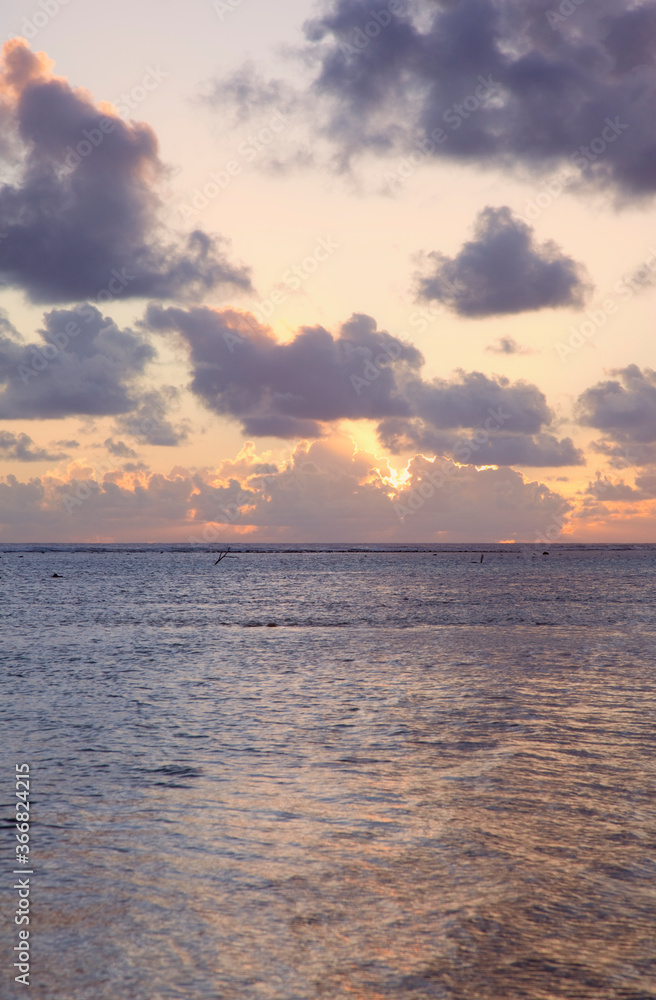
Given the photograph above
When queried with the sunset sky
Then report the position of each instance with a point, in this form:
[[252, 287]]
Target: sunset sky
[[332, 271]]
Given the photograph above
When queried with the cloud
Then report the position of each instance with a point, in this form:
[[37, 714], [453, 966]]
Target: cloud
[[625, 453], [20, 448], [466, 401], [135, 467], [462, 497], [499, 423], [646, 483], [119, 449], [603, 489], [624, 408], [149, 423], [480, 447], [297, 389], [503, 271], [65, 444], [509, 84], [245, 91], [84, 364], [327, 490], [288, 390], [80, 205], [507, 345]]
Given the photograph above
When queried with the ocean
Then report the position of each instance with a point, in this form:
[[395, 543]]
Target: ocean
[[330, 771]]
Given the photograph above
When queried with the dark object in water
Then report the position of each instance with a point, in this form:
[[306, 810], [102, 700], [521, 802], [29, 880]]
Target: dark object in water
[[56, 576], [222, 554], [545, 553], [272, 625]]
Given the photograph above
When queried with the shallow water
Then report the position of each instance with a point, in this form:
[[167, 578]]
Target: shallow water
[[434, 778]]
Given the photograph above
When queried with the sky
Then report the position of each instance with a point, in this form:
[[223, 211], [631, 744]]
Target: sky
[[327, 271]]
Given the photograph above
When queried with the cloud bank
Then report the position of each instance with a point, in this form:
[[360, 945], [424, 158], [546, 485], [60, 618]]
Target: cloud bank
[[325, 491]]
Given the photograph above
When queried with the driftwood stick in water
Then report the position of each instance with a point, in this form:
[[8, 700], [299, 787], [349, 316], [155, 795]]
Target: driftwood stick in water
[[222, 554]]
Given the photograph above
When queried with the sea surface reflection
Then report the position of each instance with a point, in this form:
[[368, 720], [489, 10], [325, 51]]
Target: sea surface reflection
[[431, 779]]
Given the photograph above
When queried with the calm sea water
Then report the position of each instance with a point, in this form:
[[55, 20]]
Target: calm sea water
[[433, 778]]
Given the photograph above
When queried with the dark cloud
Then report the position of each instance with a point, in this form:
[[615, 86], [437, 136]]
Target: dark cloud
[[624, 408], [466, 401], [20, 448], [605, 490], [84, 364], [65, 444], [135, 467], [624, 453], [630, 36], [149, 423], [295, 389], [289, 390], [480, 447], [503, 270], [507, 345], [80, 213], [119, 449], [491, 82], [609, 492]]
